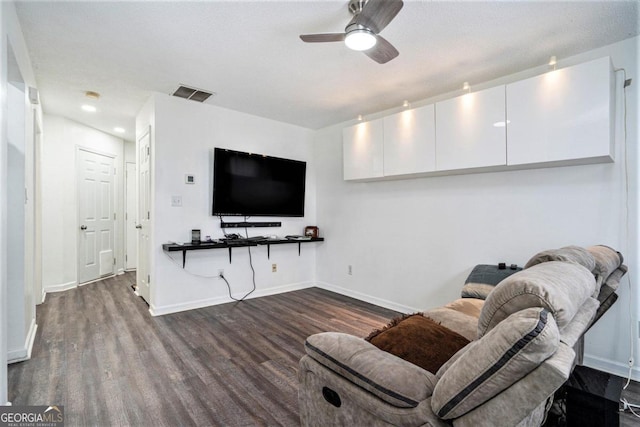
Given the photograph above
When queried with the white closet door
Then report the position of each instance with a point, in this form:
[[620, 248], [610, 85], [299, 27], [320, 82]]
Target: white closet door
[[96, 215]]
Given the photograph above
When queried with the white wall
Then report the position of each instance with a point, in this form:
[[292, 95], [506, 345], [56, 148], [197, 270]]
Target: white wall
[[413, 242], [130, 151], [3, 208], [15, 324], [20, 312], [60, 226], [184, 136]]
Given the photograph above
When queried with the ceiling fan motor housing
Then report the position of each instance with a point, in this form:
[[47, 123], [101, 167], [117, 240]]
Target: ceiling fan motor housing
[[357, 27], [355, 6]]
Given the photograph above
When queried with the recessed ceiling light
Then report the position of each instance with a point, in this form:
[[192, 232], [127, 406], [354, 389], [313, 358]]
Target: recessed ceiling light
[[118, 130], [89, 108]]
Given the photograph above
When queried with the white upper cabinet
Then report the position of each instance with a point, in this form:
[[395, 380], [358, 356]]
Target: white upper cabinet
[[562, 115], [362, 148], [560, 118], [470, 131], [410, 142]]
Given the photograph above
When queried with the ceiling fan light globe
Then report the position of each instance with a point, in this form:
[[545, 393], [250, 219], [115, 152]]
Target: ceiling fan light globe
[[360, 39]]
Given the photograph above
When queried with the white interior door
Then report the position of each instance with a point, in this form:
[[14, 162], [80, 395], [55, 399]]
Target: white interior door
[[144, 216], [131, 216], [96, 215]]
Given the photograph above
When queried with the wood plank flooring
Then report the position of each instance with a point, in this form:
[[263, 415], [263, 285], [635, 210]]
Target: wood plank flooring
[[632, 394], [99, 353]]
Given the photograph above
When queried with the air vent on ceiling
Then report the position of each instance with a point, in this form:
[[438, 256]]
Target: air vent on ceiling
[[192, 93]]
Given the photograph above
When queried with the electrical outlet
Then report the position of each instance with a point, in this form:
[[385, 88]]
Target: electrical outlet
[[176, 201], [274, 268], [350, 270], [221, 273]]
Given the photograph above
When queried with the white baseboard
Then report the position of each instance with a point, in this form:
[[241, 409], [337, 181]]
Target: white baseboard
[[7, 404], [108, 276], [175, 308], [60, 288], [17, 355], [367, 298], [43, 297], [612, 367], [72, 285], [24, 353], [31, 337]]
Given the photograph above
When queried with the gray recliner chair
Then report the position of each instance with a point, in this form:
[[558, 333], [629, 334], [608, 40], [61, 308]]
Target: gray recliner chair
[[525, 339]]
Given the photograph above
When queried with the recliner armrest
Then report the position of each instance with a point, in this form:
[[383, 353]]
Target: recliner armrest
[[517, 402], [394, 380]]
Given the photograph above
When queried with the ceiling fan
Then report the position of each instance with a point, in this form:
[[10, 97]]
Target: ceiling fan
[[362, 32]]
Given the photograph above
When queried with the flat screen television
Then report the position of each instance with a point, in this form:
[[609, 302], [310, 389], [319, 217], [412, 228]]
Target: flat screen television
[[249, 184]]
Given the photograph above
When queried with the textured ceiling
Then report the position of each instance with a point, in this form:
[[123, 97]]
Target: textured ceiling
[[250, 55]]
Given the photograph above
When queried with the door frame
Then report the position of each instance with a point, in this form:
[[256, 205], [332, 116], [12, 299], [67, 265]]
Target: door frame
[[113, 197], [130, 210], [38, 289], [144, 265]]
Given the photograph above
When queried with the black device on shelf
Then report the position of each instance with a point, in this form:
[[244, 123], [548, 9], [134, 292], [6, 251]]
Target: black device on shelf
[[248, 184]]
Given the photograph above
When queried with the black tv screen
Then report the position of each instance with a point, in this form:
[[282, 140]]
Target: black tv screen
[[255, 185]]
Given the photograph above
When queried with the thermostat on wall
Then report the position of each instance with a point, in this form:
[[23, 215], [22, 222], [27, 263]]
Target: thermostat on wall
[[189, 179]]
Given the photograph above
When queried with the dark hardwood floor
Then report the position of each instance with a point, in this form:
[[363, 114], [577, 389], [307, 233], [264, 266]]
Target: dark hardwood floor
[[632, 394], [101, 354]]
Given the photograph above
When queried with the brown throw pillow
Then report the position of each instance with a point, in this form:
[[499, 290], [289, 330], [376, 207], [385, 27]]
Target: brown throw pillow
[[419, 340]]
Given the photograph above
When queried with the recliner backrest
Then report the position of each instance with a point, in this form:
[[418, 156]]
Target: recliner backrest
[[560, 287]]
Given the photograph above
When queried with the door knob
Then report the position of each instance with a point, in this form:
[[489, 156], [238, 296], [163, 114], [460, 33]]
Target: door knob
[[83, 227], [138, 226]]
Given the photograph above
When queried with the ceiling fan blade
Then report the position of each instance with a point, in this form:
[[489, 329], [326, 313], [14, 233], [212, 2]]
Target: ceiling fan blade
[[376, 14], [382, 52], [321, 38]]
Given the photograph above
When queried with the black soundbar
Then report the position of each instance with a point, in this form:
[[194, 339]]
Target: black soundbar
[[249, 224]]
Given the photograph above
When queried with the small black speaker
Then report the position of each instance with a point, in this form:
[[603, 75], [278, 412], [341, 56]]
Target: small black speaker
[[593, 398]]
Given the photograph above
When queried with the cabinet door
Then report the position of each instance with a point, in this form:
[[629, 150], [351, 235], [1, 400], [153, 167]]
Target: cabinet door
[[410, 142], [470, 131], [562, 115], [362, 147]]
